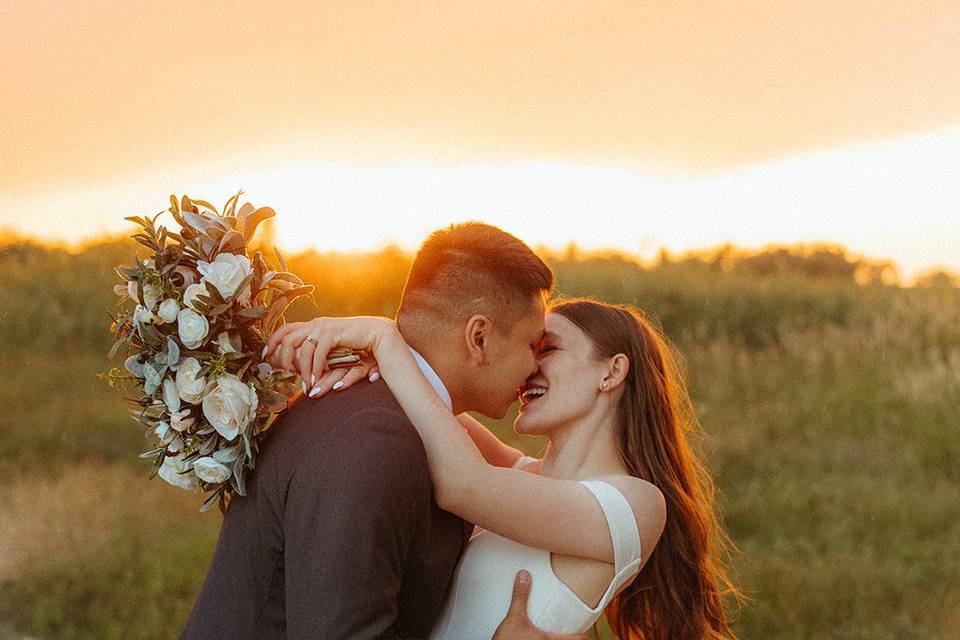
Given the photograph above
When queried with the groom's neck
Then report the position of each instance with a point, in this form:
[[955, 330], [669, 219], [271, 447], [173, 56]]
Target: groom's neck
[[442, 359]]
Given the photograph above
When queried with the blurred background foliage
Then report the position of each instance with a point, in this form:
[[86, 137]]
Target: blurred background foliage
[[828, 394]]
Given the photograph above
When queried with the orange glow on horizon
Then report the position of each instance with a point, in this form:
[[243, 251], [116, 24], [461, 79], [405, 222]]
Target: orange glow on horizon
[[617, 124]]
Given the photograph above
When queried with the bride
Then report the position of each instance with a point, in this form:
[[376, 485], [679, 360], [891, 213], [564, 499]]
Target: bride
[[618, 516]]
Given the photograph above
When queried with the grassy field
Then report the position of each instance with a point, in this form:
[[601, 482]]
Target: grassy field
[[829, 400]]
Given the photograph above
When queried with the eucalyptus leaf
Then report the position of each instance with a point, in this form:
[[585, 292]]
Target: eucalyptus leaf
[[173, 352], [252, 312], [208, 445], [229, 209], [283, 263], [210, 502], [116, 347], [232, 242], [206, 204], [253, 220], [197, 221]]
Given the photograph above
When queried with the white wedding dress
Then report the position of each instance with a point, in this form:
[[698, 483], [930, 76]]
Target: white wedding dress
[[483, 582]]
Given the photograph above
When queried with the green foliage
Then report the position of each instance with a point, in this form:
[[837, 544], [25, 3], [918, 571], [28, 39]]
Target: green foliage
[[829, 398]]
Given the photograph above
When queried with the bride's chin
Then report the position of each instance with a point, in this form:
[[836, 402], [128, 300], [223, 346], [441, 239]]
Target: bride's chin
[[523, 426]]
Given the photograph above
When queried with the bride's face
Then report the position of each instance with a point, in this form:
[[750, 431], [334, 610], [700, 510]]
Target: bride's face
[[566, 386]]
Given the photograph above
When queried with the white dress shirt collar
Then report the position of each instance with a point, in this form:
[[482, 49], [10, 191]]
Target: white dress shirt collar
[[434, 379]]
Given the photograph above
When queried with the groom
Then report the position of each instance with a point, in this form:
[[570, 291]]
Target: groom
[[338, 536]]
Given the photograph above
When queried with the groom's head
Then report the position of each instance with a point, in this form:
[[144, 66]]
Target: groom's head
[[473, 306]]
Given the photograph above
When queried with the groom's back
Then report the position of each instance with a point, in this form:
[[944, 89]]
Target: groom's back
[[338, 536]]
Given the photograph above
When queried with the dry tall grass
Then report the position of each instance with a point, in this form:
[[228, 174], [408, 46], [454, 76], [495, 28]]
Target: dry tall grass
[[76, 516], [831, 411]]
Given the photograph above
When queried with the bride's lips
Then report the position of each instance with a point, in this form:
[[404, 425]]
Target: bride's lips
[[531, 393]]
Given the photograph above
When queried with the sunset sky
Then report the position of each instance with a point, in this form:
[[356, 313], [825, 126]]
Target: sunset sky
[[630, 125]]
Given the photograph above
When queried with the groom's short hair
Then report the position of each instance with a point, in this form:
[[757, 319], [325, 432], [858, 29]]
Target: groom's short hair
[[472, 268]]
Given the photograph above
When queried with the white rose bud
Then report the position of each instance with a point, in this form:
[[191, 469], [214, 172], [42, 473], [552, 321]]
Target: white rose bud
[[168, 310], [141, 315], [263, 371], [191, 293], [151, 295], [192, 328], [170, 397], [209, 470], [230, 406], [223, 343], [189, 386], [226, 273], [178, 473], [179, 420]]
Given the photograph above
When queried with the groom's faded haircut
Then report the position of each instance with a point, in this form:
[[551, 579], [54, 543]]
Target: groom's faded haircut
[[467, 269]]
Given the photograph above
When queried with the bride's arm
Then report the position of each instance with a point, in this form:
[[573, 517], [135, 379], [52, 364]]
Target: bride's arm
[[561, 516], [494, 451]]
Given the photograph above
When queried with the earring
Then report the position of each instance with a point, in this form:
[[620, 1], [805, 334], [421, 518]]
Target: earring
[[603, 386]]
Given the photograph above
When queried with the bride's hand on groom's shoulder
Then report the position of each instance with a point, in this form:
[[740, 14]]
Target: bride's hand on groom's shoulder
[[516, 625], [304, 347]]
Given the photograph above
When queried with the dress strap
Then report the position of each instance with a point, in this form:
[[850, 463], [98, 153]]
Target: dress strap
[[620, 520]]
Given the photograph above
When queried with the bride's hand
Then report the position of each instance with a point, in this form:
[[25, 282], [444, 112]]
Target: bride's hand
[[303, 348]]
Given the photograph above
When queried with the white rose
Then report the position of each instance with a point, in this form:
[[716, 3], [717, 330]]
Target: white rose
[[168, 310], [192, 328], [151, 295], [209, 470], [142, 315], [189, 386], [230, 406], [226, 273], [191, 293], [179, 420], [170, 397], [223, 343], [178, 473]]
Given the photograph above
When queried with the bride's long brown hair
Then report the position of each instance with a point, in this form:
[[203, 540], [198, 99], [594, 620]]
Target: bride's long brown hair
[[679, 593]]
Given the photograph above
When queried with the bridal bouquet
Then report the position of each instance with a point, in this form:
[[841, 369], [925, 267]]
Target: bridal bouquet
[[202, 311]]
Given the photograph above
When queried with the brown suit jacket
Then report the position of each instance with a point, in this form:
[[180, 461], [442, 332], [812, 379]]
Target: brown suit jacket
[[338, 536]]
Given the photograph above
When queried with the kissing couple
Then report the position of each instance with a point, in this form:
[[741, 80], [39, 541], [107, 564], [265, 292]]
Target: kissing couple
[[387, 511]]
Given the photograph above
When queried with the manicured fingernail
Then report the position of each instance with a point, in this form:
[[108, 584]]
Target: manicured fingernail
[[315, 392], [338, 386], [374, 376], [303, 385], [313, 380], [523, 578], [265, 349]]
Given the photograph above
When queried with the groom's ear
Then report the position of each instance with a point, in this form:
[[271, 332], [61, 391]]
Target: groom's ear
[[476, 334]]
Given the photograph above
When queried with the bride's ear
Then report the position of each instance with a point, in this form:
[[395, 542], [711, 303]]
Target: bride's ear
[[476, 336], [616, 374]]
